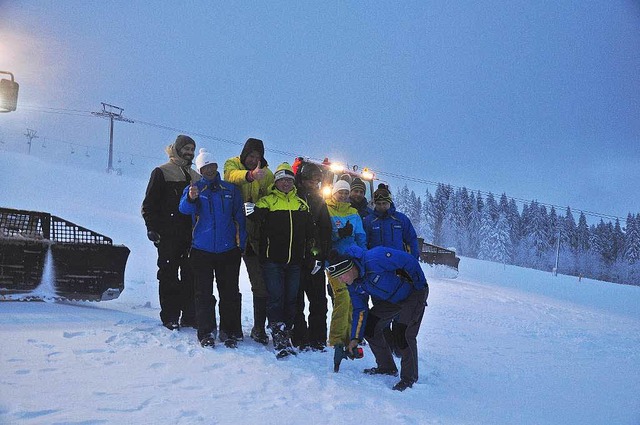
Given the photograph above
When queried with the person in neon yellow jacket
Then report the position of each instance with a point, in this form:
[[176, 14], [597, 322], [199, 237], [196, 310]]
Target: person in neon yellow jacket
[[347, 231], [287, 238], [251, 174]]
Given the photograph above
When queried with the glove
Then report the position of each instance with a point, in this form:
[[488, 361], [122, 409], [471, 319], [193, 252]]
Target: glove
[[249, 208], [154, 237], [346, 231], [316, 267]]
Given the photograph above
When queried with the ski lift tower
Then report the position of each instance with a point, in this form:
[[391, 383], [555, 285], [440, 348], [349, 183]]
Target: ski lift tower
[[112, 113]]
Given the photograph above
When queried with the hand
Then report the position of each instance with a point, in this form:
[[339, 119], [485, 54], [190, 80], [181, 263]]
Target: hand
[[154, 237], [249, 207], [194, 192], [258, 173], [317, 267], [352, 344], [346, 231]]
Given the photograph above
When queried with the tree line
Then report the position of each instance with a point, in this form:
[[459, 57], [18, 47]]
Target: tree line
[[496, 230]]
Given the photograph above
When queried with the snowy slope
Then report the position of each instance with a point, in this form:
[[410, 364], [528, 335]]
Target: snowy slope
[[498, 345]]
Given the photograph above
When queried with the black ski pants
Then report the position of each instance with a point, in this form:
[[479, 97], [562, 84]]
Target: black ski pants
[[225, 268], [313, 286], [408, 317], [175, 280]]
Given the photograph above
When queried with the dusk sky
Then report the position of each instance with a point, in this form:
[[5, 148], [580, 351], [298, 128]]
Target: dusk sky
[[536, 99]]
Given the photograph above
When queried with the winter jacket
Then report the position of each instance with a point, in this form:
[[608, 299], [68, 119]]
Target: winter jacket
[[321, 220], [286, 227], [362, 207], [385, 274], [236, 173], [217, 215], [391, 229], [160, 204], [341, 213]]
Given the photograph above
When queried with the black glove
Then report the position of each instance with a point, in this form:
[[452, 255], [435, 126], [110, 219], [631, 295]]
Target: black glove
[[154, 237], [346, 231]]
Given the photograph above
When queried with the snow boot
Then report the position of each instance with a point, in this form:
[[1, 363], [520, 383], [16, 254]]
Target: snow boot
[[258, 333], [228, 339], [281, 341], [208, 341], [402, 385], [172, 325], [382, 371]]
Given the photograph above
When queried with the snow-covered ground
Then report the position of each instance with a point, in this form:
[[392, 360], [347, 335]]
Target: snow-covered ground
[[498, 345]]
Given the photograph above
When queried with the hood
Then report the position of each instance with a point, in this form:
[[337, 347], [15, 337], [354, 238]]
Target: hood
[[253, 145]]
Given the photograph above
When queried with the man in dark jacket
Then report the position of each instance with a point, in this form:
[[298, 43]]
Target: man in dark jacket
[[395, 282], [357, 198], [388, 227], [170, 231], [314, 336], [219, 236]]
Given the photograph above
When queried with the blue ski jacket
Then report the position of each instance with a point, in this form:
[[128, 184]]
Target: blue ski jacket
[[391, 229], [217, 216], [385, 274]]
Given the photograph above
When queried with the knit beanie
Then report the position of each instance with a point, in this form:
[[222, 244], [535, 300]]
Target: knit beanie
[[182, 141], [204, 158], [283, 171], [357, 183], [340, 185], [382, 194], [338, 264]]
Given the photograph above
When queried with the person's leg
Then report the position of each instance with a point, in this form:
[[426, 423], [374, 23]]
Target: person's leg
[[291, 290], [205, 302], [405, 332], [340, 327], [186, 282], [260, 294], [378, 320], [300, 336], [168, 285], [274, 280], [317, 295], [227, 267]]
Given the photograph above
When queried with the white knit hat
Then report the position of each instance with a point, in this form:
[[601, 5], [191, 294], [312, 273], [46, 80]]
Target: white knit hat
[[340, 185], [204, 158]]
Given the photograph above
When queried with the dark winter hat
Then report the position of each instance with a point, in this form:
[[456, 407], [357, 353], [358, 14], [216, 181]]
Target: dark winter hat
[[338, 264], [357, 183], [309, 171], [253, 145], [182, 141], [382, 194]]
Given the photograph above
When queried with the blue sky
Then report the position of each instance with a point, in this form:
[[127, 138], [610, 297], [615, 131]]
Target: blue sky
[[536, 99]]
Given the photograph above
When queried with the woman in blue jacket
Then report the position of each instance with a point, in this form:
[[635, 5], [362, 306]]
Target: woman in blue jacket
[[399, 290], [219, 237]]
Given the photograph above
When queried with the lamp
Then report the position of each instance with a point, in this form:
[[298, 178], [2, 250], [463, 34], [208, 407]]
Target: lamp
[[8, 93]]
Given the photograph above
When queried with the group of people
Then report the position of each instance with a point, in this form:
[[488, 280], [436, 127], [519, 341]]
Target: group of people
[[289, 238]]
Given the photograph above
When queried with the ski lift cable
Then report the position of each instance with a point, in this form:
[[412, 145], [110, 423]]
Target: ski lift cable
[[63, 111]]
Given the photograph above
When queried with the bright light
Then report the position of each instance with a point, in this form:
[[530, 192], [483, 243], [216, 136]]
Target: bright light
[[326, 191], [367, 175], [336, 167]]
